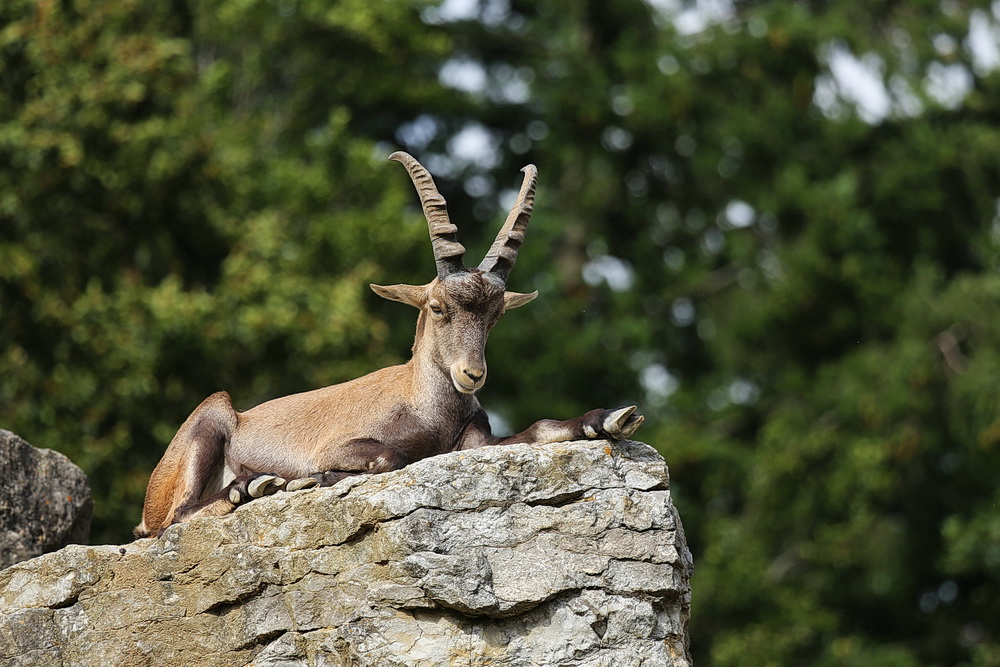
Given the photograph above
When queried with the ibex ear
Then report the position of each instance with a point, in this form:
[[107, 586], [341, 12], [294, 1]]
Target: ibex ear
[[515, 299], [411, 294]]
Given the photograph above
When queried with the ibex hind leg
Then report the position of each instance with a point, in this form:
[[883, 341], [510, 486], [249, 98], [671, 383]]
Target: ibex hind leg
[[190, 466], [241, 490]]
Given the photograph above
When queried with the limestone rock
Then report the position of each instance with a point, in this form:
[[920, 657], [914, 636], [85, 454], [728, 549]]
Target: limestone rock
[[44, 501], [565, 554]]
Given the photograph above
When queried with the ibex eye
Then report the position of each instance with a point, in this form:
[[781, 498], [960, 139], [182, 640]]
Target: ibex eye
[[436, 309]]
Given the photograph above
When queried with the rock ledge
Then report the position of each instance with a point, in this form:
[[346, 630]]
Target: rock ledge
[[566, 554]]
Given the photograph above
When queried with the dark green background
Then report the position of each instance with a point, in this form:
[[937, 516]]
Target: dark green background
[[194, 196]]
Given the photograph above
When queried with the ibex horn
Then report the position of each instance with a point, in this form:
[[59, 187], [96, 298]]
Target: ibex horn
[[503, 253], [448, 252]]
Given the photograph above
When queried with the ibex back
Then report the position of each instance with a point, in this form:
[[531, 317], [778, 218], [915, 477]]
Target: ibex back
[[221, 458]]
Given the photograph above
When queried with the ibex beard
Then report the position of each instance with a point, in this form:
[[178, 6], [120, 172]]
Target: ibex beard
[[221, 458]]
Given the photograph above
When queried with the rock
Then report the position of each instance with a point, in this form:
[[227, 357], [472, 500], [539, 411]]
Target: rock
[[566, 554], [44, 501]]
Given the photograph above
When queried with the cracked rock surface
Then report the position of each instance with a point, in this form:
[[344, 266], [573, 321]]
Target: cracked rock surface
[[565, 554]]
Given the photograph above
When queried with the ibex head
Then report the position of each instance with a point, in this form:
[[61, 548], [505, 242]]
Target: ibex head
[[460, 306]]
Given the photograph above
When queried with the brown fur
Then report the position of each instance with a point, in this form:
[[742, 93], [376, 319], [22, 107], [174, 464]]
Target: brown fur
[[375, 423]]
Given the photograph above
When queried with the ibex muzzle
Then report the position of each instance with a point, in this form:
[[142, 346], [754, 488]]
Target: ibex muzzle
[[221, 458]]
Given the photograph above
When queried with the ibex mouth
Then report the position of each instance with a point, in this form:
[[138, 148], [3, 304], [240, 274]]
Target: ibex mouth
[[464, 383]]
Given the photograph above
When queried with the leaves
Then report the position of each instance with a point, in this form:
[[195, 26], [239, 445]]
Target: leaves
[[797, 287]]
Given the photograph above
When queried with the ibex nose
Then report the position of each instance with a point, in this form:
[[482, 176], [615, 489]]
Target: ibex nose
[[468, 379]]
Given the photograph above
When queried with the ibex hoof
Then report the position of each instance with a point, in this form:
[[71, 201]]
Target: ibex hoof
[[622, 423], [632, 426], [299, 484], [265, 485]]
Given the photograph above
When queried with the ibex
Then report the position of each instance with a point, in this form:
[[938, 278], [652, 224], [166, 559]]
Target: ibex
[[221, 458]]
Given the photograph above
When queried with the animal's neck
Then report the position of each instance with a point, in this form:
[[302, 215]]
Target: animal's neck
[[432, 388]]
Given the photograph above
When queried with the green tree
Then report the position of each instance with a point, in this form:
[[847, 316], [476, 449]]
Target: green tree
[[169, 229], [794, 281]]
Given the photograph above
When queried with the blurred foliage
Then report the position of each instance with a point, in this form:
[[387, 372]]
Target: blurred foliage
[[797, 283]]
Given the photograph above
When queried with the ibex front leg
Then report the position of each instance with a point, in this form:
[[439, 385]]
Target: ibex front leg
[[355, 457], [600, 424]]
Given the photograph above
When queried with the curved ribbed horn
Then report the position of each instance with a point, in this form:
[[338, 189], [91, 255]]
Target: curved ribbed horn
[[503, 253], [448, 252]]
